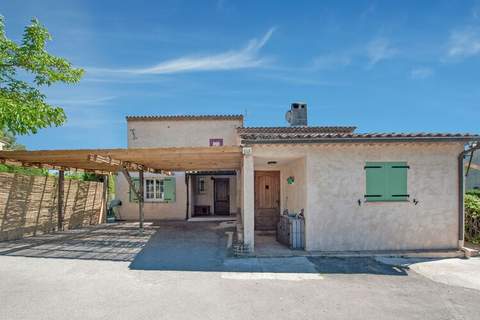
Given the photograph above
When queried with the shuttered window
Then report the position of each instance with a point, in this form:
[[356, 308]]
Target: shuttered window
[[154, 189], [157, 189], [386, 181], [132, 196], [169, 186]]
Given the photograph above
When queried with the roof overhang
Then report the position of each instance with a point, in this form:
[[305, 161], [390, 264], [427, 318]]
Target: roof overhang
[[113, 160], [360, 139]]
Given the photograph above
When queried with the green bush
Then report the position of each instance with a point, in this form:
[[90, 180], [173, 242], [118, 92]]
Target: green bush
[[475, 192], [472, 218], [21, 170]]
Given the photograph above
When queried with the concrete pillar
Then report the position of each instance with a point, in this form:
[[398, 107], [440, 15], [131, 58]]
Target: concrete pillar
[[238, 193], [248, 201]]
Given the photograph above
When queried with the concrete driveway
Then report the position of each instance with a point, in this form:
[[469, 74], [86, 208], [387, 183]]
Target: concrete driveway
[[198, 281]]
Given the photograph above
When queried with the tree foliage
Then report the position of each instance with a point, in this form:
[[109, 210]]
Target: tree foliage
[[23, 109], [10, 140]]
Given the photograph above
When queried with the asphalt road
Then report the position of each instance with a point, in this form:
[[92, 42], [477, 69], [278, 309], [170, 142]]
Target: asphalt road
[[92, 277], [42, 288]]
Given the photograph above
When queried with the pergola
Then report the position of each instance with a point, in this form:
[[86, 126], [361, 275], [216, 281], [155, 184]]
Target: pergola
[[106, 161]]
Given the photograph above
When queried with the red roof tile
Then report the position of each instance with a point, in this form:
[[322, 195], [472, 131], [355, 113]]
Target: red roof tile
[[186, 117]]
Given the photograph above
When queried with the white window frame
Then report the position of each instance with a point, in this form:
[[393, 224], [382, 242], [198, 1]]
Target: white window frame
[[158, 190]]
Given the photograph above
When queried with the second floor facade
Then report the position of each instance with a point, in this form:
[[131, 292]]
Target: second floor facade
[[183, 131]]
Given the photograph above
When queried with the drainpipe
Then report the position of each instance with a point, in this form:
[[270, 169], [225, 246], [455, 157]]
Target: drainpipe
[[461, 193], [187, 184]]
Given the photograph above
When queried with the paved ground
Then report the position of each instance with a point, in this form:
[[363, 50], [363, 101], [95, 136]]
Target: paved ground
[[456, 272], [197, 281]]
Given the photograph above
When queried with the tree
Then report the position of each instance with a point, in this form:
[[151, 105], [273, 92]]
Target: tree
[[23, 109], [10, 140]]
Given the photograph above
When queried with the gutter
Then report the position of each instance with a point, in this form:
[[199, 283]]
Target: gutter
[[359, 140], [461, 193]]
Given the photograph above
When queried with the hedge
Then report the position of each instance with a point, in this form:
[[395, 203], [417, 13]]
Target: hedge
[[472, 217]]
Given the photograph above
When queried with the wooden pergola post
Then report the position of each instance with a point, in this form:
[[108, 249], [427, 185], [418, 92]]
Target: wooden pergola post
[[104, 210], [138, 192], [140, 200], [61, 180]]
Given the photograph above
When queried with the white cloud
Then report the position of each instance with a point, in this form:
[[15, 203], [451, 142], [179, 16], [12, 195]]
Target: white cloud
[[82, 102], [378, 50], [421, 73], [464, 43], [476, 11], [247, 57], [330, 61]]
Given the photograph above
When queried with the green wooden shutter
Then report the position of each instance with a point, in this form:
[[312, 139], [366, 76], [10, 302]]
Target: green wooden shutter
[[375, 180], [386, 181], [396, 181], [169, 189], [132, 196]]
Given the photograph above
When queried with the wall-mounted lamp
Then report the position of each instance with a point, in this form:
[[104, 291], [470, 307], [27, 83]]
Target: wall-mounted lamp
[[272, 163]]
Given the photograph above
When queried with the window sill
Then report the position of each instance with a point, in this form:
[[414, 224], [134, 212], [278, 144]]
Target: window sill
[[387, 201]]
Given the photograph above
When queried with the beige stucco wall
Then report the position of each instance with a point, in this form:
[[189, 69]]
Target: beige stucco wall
[[293, 196], [335, 180], [153, 210], [174, 133], [181, 133]]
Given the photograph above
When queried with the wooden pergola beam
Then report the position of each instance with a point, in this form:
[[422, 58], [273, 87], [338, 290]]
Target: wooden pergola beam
[[119, 163], [101, 161]]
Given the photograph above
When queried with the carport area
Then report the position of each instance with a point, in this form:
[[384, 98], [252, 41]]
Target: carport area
[[113, 242]]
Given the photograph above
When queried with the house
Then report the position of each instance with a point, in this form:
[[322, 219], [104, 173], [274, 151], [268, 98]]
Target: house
[[472, 180], [358, 191]]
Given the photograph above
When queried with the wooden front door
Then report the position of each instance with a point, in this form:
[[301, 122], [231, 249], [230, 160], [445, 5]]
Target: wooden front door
[[267, 199], [222, 196]]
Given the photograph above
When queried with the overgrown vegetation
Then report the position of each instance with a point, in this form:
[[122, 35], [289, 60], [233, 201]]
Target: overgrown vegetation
[[472, 216], [23, 170]]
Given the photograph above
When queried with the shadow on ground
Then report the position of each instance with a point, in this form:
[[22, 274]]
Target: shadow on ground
[[180, 246], [202, 247], [116, 242]]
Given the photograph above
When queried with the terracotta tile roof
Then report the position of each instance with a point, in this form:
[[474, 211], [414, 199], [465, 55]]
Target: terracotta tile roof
[[186, 117], [295, 130], [334, 137]]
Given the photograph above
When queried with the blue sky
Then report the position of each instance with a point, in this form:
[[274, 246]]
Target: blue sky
[[384, 66]]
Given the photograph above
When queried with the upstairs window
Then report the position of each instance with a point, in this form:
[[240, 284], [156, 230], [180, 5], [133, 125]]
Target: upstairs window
[[386, 181], [217, 142]]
